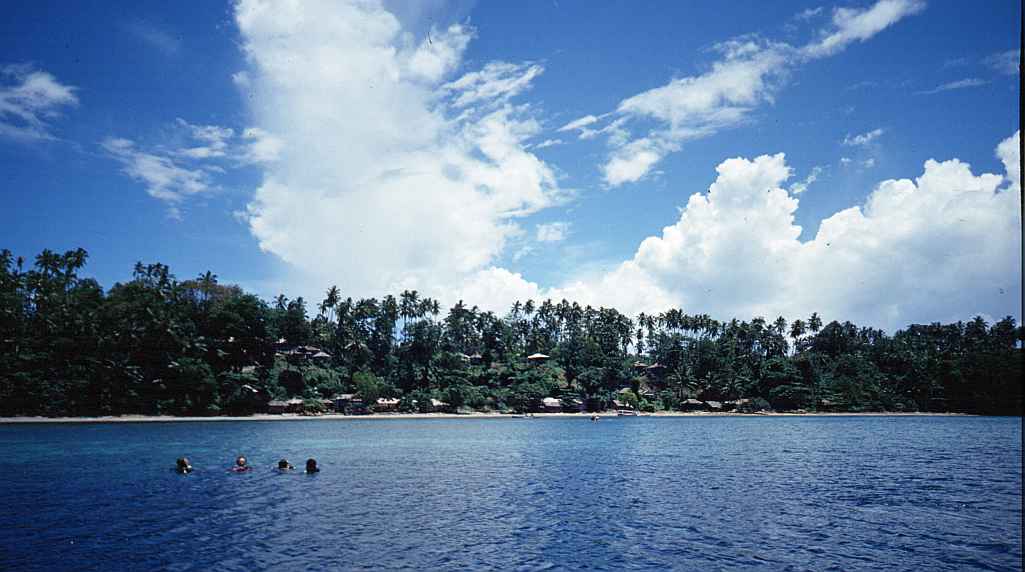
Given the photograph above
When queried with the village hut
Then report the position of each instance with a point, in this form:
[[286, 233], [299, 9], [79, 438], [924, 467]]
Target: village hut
[[349, 404], [551, 405], [572, 405], [277, 407], [617, 404], [735, 404], [281, 345], [437, 406], [538, 357], [692, 405], [386, 404]]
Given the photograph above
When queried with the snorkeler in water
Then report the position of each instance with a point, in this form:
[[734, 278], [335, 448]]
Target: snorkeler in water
[[183, 466], [241, 465], [311, 466], [284, 465]]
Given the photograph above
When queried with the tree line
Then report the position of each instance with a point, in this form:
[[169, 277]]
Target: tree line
[[159, 345]]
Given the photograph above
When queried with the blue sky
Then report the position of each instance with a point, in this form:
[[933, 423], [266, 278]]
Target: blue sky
[[430, 145]]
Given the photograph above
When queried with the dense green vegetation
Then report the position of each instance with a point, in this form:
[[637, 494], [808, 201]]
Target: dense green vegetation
[[157, 345]]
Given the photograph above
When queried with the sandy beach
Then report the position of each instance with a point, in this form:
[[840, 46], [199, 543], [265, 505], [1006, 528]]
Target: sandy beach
[[386, 416]]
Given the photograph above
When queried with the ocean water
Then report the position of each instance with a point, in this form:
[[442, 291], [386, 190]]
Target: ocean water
[[697, 493]]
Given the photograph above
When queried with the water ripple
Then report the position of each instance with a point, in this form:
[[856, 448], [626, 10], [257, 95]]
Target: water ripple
[[548, 494]]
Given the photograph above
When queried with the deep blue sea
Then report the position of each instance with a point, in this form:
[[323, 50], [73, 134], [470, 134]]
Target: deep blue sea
[[694, 493]]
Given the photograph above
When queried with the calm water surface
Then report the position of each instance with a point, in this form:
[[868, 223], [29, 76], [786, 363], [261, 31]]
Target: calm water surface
[[840, 493]]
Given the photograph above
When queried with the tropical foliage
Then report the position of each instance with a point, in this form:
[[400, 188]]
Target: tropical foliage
[[159, 345]]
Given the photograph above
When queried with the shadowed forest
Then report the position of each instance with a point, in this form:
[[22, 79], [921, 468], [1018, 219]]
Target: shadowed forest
[[160, 345]]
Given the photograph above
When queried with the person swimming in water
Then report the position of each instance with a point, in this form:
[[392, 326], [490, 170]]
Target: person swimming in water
[[311, 466], [241, 465], [284, 465], [183, 467]]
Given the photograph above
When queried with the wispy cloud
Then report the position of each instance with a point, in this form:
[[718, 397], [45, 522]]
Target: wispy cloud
[[163, 177], [853, 25], [749, 73], [189, 164], [495, 84], [1004, 62], [862, 85], [579, 123], [548, 143], [959, 84], [154, 37], [802, 186], [552, 231], [212, 139], [29, 101], [862, 139], [809, 13]]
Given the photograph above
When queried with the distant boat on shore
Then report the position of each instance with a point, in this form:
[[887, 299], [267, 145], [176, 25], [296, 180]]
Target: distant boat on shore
[[626, 413]]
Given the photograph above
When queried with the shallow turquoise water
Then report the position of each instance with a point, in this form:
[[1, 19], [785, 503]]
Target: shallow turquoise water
[[772, 493]]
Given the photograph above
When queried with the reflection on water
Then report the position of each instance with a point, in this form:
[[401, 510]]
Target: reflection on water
[[690, 493]]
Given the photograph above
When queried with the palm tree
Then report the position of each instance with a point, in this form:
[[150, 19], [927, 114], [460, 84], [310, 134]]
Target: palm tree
[[815, 323], [797, 329], [409, 307], [207, 281], [330, 302]]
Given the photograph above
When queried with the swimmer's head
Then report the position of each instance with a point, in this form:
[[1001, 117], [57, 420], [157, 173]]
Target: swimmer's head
[[240, 461], [311, 466], [183, 465], [283, 465]]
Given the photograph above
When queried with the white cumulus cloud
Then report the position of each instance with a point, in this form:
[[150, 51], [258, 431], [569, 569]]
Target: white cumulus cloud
[[939, 247], [394, 169]]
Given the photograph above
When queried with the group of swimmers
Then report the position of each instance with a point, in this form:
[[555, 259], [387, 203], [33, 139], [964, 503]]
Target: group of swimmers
[[184, 467]]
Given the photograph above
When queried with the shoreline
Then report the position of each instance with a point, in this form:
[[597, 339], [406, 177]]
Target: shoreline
[[402, 416]]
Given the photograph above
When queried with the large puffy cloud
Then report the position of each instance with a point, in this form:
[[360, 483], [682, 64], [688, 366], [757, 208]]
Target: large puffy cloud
[[940, 247], [390, 170], [748, 74], [390, 173]]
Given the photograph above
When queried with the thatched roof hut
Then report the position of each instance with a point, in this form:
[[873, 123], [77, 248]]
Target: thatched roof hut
[[551, 405], [692, 405]]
